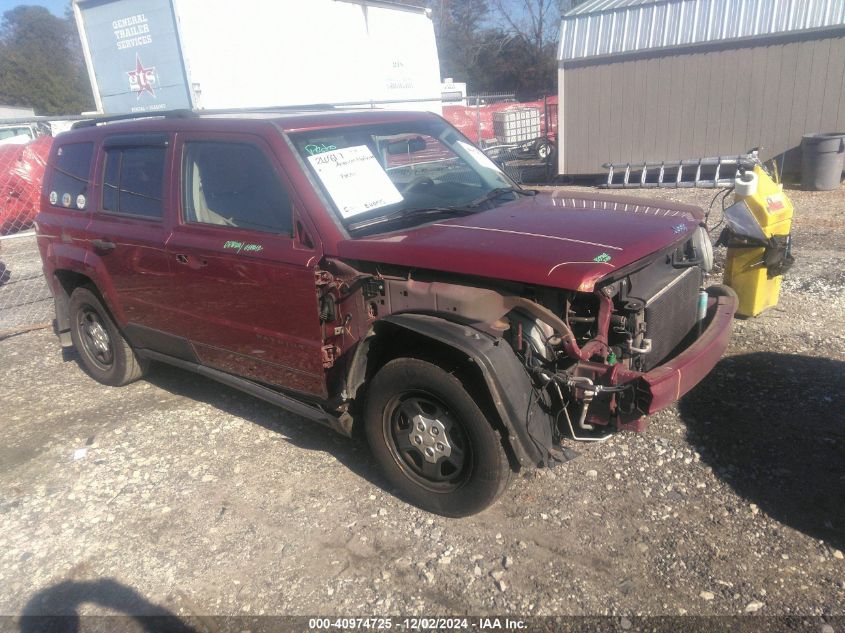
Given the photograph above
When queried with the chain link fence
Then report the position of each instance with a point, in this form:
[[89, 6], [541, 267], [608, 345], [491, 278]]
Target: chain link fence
[[25, 299]]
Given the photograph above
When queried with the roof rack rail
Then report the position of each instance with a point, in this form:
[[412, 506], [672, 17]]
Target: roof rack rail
[[276, 108], [167, 114], [304, 106], [185, 113]]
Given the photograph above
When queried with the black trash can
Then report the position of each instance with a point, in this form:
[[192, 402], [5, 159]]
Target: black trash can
[[822, 161]]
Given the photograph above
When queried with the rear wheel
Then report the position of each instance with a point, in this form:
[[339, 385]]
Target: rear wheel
[[105, 353], [432, 441]]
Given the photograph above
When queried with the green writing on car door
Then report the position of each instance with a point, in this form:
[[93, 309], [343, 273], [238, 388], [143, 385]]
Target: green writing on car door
[[243, 247]]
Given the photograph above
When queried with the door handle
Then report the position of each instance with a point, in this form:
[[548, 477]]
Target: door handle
[[103, 245], [192, 262]]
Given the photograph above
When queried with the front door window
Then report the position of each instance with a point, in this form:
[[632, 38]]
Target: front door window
[[234, 184]]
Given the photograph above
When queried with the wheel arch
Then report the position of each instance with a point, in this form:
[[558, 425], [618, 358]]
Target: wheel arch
[[64, 282], [488, 364]]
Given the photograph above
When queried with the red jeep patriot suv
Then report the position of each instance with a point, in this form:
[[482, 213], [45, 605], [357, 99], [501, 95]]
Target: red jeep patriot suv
[[375, 268]]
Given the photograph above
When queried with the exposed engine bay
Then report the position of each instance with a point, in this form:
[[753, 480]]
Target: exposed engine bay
[[584, 351], [632, 323]]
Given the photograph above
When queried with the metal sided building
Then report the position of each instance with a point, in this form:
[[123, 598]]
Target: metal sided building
[[654, 80]]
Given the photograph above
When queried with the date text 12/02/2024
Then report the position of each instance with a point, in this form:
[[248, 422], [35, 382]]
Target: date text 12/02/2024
[[417, 624]]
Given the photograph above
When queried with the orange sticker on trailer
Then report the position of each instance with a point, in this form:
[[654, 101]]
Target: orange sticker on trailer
[[774, 203]]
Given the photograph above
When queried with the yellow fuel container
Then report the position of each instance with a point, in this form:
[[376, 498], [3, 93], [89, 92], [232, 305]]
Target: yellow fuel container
[[745, 267]]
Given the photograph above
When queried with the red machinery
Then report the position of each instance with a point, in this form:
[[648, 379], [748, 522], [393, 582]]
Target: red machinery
[[479, 124]]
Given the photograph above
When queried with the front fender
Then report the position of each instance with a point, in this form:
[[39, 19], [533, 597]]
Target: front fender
[[528, 426]]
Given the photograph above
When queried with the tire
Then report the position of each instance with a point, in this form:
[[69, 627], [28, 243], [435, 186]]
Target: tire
[[544, 149], [105, 353], [461, 476], [720, 290]]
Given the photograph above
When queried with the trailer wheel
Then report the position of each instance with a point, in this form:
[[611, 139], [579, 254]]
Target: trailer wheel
[[544, 149]]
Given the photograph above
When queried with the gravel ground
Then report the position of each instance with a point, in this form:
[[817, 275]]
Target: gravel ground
[[178, 493]]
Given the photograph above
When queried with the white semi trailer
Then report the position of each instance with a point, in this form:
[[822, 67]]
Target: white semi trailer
[[154, 55]]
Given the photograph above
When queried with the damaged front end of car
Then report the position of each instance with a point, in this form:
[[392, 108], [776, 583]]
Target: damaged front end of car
[[633, 346], [557, 363]]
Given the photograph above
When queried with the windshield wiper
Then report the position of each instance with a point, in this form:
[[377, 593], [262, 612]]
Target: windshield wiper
[[500, 191], [404, 213], [461, 209]]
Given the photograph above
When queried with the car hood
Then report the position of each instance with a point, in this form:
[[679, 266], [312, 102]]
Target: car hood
[[558, 239]]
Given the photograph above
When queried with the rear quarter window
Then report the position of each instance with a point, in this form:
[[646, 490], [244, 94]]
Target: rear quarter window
[[68, 186]]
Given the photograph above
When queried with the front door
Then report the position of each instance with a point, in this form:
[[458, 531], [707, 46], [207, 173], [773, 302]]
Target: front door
[[249, 288]]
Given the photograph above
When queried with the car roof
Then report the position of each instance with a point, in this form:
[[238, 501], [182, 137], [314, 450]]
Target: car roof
[[247, 121]]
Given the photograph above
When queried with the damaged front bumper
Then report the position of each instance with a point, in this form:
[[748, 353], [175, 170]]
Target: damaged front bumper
[[658, 388]]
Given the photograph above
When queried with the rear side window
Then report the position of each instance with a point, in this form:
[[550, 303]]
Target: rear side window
[[234, 184], [69, 183], [133, 180]]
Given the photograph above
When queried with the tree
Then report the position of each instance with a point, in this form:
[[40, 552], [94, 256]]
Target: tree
[[508, 64], [534, 26], [537, 22], [458, 26], [499, 45], [40, 63]]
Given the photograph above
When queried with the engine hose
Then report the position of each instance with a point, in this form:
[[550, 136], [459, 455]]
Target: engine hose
[[583, 438], [565, 412], [567, 337]]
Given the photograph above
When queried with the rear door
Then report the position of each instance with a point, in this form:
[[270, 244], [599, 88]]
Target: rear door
[[128, 232], [248, 285]]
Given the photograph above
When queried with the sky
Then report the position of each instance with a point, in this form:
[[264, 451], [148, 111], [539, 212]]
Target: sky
[[56, 6]]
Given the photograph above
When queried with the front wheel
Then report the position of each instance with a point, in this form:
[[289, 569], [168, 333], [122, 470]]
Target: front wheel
[[105, 353], [432, 441]]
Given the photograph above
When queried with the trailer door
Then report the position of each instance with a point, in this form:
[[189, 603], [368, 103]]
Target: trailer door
[[133, 54]]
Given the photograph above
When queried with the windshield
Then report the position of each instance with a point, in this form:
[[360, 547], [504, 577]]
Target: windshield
[[384, 175]]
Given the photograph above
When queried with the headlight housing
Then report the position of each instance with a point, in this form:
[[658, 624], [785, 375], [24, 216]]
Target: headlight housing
[[703, 248]]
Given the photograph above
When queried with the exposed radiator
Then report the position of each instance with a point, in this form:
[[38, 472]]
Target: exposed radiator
[[671, 314]]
